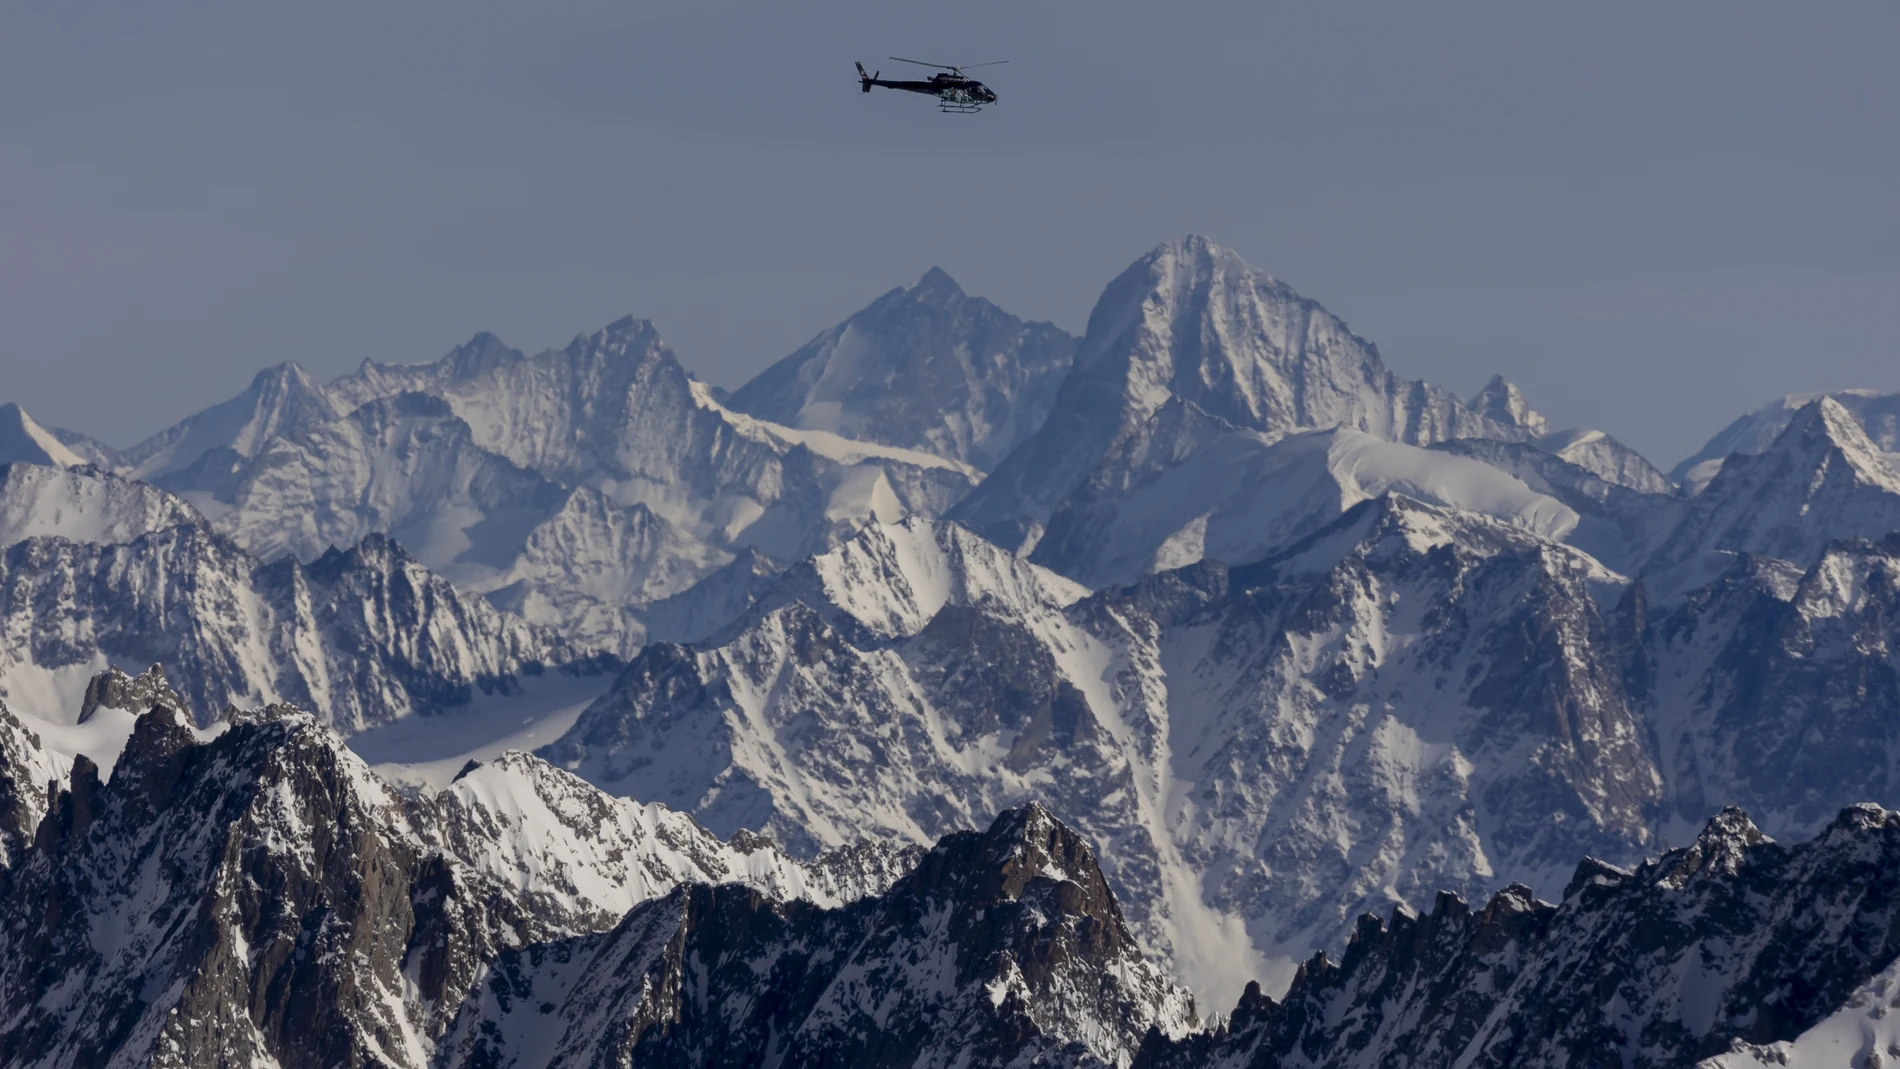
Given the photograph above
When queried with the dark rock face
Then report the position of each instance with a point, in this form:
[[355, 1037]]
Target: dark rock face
[[113, 689], [1732, 944], [224, 904], [26, 775]]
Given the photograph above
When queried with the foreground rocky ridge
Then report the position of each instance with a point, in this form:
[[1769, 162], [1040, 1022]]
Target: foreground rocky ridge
[[254, 895], [999, 948]]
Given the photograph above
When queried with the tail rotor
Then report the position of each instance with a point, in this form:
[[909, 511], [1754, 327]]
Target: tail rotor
[[865, 80]]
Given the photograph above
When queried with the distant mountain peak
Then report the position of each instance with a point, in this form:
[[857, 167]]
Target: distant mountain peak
[[23, 439], [1877, 413], [1822, 478], [925, 366], [1505, 403], [286, 374], [935, 282], [1822, 430], [1193, 320], [626, 336]]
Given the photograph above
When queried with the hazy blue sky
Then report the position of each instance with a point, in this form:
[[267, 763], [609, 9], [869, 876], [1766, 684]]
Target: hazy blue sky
[[1652, 216]]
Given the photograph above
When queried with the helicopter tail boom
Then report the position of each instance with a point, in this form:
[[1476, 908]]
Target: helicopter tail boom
[[865, 80]]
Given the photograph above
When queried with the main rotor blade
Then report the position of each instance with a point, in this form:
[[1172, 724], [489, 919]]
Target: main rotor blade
[[921, 63], [991, 63]]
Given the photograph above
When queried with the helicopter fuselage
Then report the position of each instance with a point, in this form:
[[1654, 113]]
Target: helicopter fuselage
[[953, 92]]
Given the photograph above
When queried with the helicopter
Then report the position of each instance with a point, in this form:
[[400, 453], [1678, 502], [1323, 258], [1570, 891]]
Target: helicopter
[[955, 94]]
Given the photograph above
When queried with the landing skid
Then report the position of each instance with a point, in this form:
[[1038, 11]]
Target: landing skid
[[959, 109]]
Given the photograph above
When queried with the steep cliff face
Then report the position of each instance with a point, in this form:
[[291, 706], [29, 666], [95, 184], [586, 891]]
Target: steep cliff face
[[1775, 687]]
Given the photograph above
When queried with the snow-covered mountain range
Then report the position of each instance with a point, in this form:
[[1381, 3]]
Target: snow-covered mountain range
[[96, 569], [1291, 638]]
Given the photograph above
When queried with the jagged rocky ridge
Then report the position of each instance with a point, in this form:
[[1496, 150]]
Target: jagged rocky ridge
[[95, 569], [1734, 950], [572, 487], [254, 895], [998, 948]]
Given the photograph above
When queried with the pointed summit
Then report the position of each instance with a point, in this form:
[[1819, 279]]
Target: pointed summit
[[1505, 403], [935, 285], [1824, 430], [281, 400], [1877, 413], [926, 366], [1192, 320], [24, 441], [1822, 479]]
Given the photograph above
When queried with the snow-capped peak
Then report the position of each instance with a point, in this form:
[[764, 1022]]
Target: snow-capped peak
[[1877, 413], [1820, 480], [924, 367], [1193, 321], [24, 440], [1825, 426], [280, 400]]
